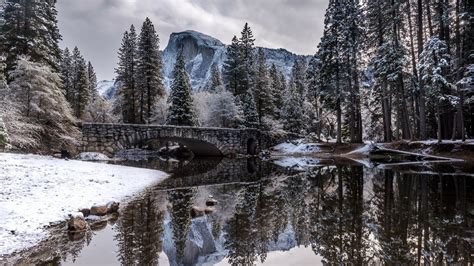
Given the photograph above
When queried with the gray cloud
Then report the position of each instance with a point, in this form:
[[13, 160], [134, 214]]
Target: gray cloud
[[96, 26]]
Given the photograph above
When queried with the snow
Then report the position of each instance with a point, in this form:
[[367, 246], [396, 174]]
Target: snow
[[92, 156], [106, 88], [38, 191], [364, 150], [297, 163], [299, 147]]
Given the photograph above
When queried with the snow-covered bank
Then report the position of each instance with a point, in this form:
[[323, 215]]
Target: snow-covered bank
[[37, 191], [296, 147]]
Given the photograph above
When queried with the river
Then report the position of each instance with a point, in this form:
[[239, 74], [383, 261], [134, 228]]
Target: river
[[334, 213]]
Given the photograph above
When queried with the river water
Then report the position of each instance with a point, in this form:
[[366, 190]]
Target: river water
[[270, 215]]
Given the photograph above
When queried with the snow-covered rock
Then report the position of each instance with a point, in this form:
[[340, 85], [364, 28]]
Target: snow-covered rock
[[107, 89], [37, 191], [92, 156], [297, 163], [298, 147]]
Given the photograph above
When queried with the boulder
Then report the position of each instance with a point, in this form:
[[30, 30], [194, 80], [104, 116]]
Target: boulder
[[197, 212], [211, 202], [86, 212], [99, 210], [209, 210], [76, 222], [112, 207]]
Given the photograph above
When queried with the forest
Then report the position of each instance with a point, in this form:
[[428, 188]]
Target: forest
[[384, 70]]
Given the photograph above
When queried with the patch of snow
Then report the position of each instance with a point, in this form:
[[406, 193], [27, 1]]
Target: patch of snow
[[364, 150], [297, 163], [298, 147], [92, 156], [38, 191]]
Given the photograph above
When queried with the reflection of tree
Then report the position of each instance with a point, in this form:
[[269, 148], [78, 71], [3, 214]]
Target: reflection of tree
[[339, 234], [240, 232], [181, 203], [420, 218], [139, 233]]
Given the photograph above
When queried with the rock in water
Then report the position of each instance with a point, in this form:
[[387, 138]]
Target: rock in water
[[99, 210], [76, 222], [197, 212], [112, 207], [211, 202]]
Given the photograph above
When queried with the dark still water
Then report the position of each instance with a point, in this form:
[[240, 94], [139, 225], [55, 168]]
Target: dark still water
[[269, 215]]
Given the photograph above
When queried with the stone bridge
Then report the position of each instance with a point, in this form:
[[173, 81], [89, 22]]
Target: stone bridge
[[111, 138]]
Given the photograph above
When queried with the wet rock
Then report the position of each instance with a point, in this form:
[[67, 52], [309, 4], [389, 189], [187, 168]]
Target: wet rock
[[112, 207], [86, 212], [99, 225], [99, 210], [76, 222], [197, 212], [209, 210], [211, 202]]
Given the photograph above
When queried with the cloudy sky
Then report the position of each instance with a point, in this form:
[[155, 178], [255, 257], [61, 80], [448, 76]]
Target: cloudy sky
[[96, 26]]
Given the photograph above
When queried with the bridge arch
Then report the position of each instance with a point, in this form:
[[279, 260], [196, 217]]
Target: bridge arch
[[112, 138]]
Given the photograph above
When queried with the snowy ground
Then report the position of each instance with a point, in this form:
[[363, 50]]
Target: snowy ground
[[37, 191]]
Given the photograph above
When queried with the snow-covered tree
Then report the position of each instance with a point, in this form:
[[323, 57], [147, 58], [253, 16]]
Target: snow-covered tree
[[293, 110], [92, 77], [262, 91], [249, 110], [223, 110], [98, 110], [277, 90], [181, 111], [30, 29], [149, 75], [215, 83], [81, 87], [233, 67], [127, 78], [66, 69], [434, 68], [37, 92]]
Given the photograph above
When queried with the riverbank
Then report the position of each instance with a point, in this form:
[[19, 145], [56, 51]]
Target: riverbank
[[39, 192]]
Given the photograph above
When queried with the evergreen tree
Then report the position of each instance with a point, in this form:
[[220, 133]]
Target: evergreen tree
[[126, 77], [81, 86], [149, 65], [30, 29], [247, 73], [92, 77], [216, 82], [262, 91], [250, 114], [3, 88], [434, 68], [181, 112], [293, 110], [232, 67], [276, 89], [67, 76]]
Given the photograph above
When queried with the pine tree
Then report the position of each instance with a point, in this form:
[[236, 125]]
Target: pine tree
[[67, 76], [276, 88], [262, 91], [92, 77], [293, 115], [232, 67], [81, 86], [181, 112], [434, 68], [3, 88], [149, 65], [126, 77], [249, 110], [216, 81], [247, 73], [30, 29]]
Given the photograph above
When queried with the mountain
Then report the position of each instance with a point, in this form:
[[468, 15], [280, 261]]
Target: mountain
[[201, 52]]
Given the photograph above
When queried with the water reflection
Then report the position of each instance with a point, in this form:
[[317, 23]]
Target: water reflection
[[345, 214]]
